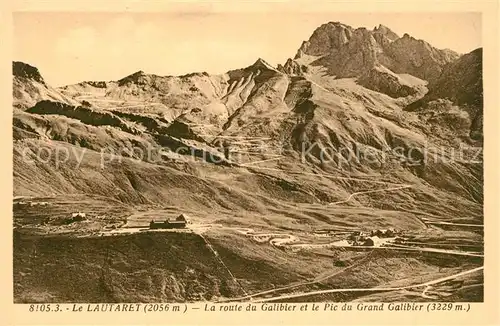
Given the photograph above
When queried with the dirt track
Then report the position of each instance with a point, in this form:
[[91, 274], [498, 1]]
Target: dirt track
[[426, 284]]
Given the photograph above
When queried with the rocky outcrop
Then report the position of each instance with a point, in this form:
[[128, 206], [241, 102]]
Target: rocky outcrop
[[85, 115], [180, 129], [381, 79], [24, 70], [151, 123], [416, 57], [138, 77], [29, 87], [461, 83], [292, 67], [385, 31], [97, 84]]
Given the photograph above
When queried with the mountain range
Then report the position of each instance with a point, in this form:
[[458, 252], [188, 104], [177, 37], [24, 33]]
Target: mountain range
[[389, 112]]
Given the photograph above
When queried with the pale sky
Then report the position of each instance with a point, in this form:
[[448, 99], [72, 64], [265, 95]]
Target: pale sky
[[71, 47]]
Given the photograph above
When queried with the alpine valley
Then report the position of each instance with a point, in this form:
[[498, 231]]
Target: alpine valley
[[353, 171]]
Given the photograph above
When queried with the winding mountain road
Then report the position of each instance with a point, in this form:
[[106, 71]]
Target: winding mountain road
[[425, 284], [291, 286], [369, 192]]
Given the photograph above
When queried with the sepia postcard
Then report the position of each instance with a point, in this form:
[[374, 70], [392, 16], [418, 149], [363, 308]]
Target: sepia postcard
[[292, 162]]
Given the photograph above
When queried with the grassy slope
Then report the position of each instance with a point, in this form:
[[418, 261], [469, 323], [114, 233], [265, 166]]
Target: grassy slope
[[141, 268], [154, 267]]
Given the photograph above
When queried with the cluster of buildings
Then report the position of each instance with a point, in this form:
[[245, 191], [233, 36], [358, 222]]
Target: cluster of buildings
[[179, 223], [360, 238]]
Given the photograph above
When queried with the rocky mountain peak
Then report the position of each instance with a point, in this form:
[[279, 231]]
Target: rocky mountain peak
[[347, 52], [259, 68], [325, 38], [24, 70], [262, 64], [333, 36], [137, 74], [136, 77]]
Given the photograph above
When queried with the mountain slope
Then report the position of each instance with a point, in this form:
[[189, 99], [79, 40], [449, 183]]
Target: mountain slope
[[29, 87], [339, 128], [460, 89]]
